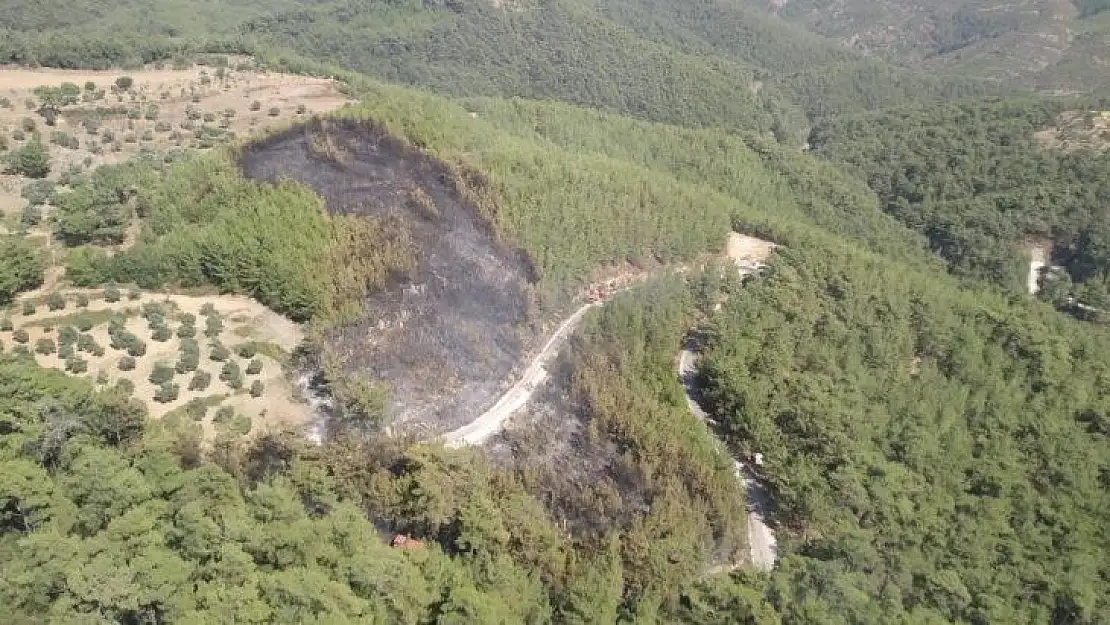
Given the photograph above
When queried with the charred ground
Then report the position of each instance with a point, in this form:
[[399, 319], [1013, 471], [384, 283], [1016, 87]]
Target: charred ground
[[445, 336]]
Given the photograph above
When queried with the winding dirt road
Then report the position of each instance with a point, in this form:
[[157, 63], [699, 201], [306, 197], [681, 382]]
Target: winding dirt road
[[761, 538], [491, 421], [748, 253]]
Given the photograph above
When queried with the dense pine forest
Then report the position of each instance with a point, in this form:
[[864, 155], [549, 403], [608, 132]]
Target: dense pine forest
[[934, 436]]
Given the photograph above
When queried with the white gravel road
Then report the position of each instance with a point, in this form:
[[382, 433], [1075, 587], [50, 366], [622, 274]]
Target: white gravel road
[[492, 420]]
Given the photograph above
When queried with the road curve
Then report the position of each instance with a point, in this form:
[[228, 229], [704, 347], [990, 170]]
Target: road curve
[[491, 421], [761, 538]]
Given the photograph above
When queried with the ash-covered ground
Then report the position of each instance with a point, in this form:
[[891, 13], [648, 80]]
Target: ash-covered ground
[[447, 337]]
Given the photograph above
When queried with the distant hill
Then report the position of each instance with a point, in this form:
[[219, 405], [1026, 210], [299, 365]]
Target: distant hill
[[1050, 45], [695, 64]]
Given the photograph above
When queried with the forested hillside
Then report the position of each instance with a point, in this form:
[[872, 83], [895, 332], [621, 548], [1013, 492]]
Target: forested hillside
[[1049, 45], [940, 454], [702, 64], [973, 179], [934, 438]]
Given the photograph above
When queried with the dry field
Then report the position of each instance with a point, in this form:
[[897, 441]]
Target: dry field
[[162, 109], [244, 321], [1077, 130]]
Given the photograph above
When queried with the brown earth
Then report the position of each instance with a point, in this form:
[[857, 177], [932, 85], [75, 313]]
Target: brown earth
[[244, 320], [1077, 130]]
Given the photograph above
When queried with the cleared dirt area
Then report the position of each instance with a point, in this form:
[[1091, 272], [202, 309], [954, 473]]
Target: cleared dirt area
[[1077, 130], [446, 337], [158, 110], [243, 321]]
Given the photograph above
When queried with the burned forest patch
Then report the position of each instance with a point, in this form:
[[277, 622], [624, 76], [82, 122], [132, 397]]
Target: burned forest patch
[[446, 337]]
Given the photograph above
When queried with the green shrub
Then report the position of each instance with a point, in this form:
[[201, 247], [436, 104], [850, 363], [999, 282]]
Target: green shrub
[[151, 112], [67, 335], [185, 331], [161, 333], [31, 215], [64, 139], [102, 377], [196, 409], [71, 177], [120, 338], [274, 112], [301, 109], [200, 381], [66, 351], [257, 388], [256, 106], [219, 353], [77, 365], [137, 348], [124, 83], [20, 336], [55, 301], [213, 326], [224, 414], [85, 324], [247, 350], [27, 124], [125, 386], [29, 307], [232, 375], [188, 361], [188, 319], [111, 295], [86, 343], [153, 312], [161, 373], [39, 192], [240, 424], [6, 324], [82, 300], [31, 160], [162, 126], [148, 135], [254, 367], [18, 135], [21, 351], [167, 392], [208, 309], [134, 294], [127, 363], [45, 346]]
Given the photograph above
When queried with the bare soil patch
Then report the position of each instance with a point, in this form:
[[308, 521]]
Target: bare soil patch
[[1077, 130], [445, 338], [244, 320]]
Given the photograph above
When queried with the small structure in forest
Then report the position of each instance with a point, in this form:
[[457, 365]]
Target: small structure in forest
[[400, 541]]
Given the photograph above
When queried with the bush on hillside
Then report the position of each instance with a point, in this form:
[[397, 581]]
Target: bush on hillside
[[31, 160]]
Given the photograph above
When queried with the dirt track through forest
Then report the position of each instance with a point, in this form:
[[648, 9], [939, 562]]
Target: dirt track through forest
[[761, 538], [748, 253], [491, 421]]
